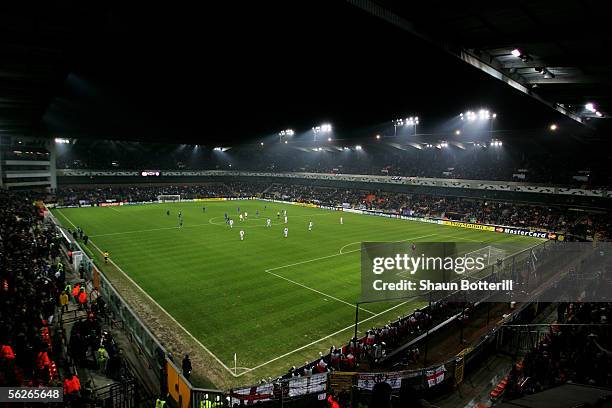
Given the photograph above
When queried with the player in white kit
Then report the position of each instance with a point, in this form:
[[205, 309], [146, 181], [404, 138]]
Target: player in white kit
[[241, 235], [310, 226], [231, 223], [241, 217], [286, 219], [286, 232], [268, 222], [341, 220], [246, 214]]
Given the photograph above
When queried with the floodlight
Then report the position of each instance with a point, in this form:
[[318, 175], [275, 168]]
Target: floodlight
[[262, 143], [377, 136], [329, 139], [286, 132], [516, 52], [457, 132], [411, 121], [590, 107], [285, 142], [324, 128], [218, 149], [358, 147], [553, 127], [598, 114]]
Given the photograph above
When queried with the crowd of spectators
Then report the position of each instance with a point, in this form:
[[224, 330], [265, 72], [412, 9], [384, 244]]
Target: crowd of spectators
[[551, 218], [555, 218], [374, 345], [579, 350], [35, 299], [130, 193], [31, 278]]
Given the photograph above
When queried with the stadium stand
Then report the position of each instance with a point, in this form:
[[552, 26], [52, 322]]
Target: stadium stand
[[518, 163], [51, 324], [32, 278], [580, 223]]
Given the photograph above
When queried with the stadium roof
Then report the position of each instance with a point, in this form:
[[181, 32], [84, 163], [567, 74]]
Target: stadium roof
[[219, 74], [556, 52]]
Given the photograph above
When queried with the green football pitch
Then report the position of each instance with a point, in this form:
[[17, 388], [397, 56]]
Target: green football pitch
[[274, 301]]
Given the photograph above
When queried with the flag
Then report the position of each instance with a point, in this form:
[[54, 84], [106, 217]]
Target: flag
[[252, 395], [435, 376]]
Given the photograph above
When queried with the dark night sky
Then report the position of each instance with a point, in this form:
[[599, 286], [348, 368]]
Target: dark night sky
[[230, 72]]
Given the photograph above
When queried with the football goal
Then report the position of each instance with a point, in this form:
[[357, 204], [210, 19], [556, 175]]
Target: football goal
[[490, 254], [165, 198]]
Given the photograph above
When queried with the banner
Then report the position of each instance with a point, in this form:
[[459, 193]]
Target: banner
[[468, 225], [210, 199], [367, 381], [530, 233], [308, 385], [309, 205]]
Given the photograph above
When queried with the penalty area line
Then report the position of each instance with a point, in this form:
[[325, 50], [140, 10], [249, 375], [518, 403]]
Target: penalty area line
[[321, 339], [318, 291], [229, 370]]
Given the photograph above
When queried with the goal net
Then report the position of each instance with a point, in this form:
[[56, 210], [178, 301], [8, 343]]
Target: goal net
[[490, 254], [164, 198]]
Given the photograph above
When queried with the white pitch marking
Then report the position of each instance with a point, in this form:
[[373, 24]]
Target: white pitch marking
[[318, 291], [338, 254], [229, 370], [147, 230], [321, 339]]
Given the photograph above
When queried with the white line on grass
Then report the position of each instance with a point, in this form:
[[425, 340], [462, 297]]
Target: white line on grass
[[210, 222], [146, 230], [269, 271], [229, 370], [240, 223], [339, 254], [318, 291], [347, 245], [321, 339]]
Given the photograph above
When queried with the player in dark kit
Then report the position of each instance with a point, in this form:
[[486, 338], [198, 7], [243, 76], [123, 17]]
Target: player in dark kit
[[203, 209], [168, 212]]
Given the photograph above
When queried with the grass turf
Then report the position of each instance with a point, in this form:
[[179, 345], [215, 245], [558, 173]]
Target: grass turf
[[266, 296]]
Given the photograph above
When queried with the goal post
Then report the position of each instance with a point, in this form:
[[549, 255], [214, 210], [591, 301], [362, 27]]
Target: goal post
[[491, 255], [165, 198]]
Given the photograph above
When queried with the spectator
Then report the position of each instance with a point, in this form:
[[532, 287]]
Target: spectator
[[63, 301], [186, 365]]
